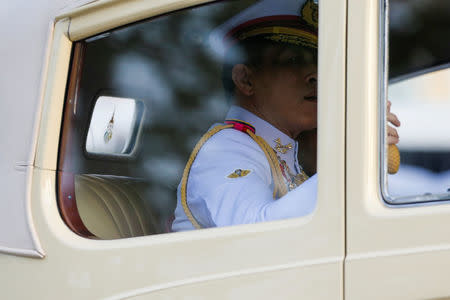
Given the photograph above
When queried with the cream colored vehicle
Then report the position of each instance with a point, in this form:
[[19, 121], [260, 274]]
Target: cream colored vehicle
[[91, 157]]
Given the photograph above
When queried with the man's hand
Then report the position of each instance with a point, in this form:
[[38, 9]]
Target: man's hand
[[392, 134], [392, 139]]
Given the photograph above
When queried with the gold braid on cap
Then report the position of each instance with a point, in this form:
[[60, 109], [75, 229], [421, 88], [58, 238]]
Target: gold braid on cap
[[300, 31], [294, 40], [284, 34]]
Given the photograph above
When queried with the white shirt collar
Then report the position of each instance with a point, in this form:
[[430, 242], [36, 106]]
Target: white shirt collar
[[269, 133]]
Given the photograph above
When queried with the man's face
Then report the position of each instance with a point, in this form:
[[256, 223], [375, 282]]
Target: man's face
[[285, 87]]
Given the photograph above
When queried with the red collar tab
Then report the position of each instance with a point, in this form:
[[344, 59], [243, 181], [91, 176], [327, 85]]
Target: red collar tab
[[240, 125]]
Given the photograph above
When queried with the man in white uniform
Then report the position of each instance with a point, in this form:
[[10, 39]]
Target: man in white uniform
[[246, 170]]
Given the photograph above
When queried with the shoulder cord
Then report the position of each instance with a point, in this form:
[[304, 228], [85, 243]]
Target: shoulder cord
[[280, 188]]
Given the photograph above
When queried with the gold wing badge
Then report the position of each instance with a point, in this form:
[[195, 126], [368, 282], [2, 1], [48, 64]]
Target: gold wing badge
[[239, 173]]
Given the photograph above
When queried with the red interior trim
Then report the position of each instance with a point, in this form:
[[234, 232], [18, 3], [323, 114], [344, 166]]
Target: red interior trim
[[68, 204], [65, 179]]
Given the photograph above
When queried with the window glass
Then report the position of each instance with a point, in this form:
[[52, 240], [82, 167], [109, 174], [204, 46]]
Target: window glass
[[127, 164], [419, 77]]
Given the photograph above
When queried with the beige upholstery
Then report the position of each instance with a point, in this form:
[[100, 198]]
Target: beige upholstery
[[113, 207]]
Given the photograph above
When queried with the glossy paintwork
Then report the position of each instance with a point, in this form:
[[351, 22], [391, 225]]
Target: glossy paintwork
[[289, 258]]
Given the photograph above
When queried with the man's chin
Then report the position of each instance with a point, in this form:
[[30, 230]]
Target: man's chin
[[311, 99], [307, 133]]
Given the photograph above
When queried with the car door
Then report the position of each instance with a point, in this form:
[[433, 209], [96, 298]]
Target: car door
[[287, 259], [397, 225]]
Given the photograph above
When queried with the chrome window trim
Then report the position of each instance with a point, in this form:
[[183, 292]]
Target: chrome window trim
[[383, 73], [383, 61]]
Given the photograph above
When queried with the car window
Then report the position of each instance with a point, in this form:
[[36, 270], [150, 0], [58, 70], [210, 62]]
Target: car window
[[141, 97], [419, 77]]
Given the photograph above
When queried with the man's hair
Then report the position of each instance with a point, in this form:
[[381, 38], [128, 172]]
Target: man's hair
[[251, 52]]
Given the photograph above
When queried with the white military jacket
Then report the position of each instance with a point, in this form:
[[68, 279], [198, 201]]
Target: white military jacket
[[230, 181]]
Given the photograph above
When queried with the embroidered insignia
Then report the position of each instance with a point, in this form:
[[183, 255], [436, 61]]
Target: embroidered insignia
[[282, 148], [293, 181], [310, 13], [109, 129], [300, 178], [239, 173]]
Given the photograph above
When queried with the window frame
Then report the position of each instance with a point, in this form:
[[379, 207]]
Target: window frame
[[330, 199]]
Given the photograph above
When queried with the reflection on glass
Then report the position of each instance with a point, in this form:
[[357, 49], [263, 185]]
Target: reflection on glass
[[423, 104], [168, 64], [187, 83]]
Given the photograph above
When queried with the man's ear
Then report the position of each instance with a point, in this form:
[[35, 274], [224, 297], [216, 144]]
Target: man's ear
[[241, 75]]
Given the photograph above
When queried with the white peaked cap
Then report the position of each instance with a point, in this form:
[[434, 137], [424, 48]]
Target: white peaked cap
[[289, 21]]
